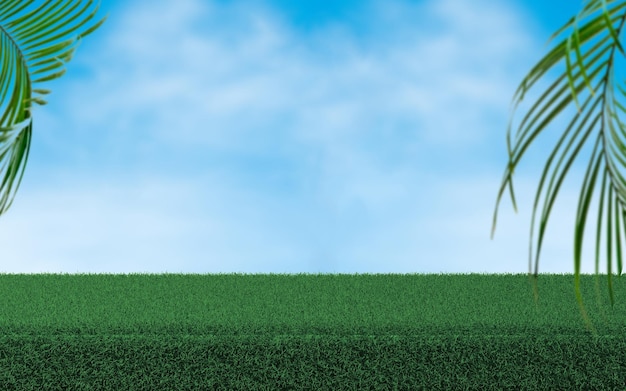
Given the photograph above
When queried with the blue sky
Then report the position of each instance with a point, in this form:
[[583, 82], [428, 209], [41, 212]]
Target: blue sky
[[202, 136]]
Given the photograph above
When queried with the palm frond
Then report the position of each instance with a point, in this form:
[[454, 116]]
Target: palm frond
[[605, 118], [28, 48]]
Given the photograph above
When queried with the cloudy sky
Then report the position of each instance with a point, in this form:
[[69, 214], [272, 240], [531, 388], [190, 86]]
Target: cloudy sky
[[205, 136]]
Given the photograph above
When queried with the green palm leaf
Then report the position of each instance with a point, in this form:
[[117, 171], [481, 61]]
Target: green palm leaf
[[27, 52], [611, 153]]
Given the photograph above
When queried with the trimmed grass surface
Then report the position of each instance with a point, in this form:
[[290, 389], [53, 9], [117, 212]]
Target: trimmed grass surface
[[307, 331]]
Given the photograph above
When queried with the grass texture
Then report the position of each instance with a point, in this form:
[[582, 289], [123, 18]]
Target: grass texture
[[308, 331]]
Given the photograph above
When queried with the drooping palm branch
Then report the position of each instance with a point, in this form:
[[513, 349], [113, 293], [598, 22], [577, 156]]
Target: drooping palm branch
[[609, 148], [28, 51]]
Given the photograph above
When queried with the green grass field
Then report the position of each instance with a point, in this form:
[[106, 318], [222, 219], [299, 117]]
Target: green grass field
[[339, 302], [308, 331]]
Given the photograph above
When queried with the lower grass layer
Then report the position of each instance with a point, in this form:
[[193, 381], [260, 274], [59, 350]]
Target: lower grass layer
[[447, 362]]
